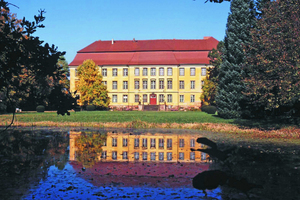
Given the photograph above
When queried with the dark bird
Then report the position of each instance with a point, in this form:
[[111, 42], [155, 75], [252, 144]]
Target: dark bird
[[209, 180]]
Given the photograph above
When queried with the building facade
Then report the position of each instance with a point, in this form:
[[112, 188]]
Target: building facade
[[149, 72]]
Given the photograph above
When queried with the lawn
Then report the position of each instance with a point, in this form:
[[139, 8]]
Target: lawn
[[119, 116]]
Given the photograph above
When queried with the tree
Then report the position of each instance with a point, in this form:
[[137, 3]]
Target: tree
[[92, 90], [25, 62], [211, 81], [230, 86], [273, 64]]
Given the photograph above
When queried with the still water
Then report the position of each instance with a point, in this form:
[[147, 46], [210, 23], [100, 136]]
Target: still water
[[137, 164]]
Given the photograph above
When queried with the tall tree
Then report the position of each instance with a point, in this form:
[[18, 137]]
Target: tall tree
[[211, 81], [273, 67], [92, 90], [230, 87]]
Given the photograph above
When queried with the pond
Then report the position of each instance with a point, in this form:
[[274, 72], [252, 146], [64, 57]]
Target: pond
[[141, 164]]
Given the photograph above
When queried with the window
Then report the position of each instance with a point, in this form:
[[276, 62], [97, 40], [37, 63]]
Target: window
[[125, 155], [114, 98], [136, 142], [136, 98], [137, 84], [152, 156], [170, 71], [169, 143], [125, 72], [161, 83], [181, 98], [161, 143], [192, 98], [114, 155], [169, 98], [136, 71], [115, 72], [169, 156], [181, 156], [136, 155], [104, 155], [104, 72], [192, 155], [203, 71], [125, 85], [170, 84], [125, 98], [203, 156], [152, 143], [161, 71], [192, 84], [115, 85], [153, 71], [161, 98], [192, 143], [181, 142], [181, 84], [145, 72], [153, 84], [104, 83], [145, 98], [114, 142], [181, 71], [161, 155], [193, 72], [145, 84], [104, 143], [145, 142], [125, 142], [144, 155]]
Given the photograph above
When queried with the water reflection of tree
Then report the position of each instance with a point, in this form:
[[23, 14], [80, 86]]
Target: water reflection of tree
[[88, 147], [25, 157]]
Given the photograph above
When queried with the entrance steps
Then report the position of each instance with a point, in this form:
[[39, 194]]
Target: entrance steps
[[151, 107]]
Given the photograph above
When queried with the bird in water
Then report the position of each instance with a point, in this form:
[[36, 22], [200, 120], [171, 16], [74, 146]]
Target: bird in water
[[209, 180]]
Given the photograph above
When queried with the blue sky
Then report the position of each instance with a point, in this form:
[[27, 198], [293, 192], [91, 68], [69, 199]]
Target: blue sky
[[72, 24]]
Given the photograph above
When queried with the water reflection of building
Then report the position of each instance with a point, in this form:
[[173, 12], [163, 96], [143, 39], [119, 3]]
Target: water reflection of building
[[147, 147]]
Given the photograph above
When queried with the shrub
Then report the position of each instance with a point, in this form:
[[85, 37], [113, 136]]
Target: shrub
[[90, 107], [209, 109], [40, 108]]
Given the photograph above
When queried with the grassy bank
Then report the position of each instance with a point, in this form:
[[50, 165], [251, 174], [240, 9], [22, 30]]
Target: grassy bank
[[136, 119]]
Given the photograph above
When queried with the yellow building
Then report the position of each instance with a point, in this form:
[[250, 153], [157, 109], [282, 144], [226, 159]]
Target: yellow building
[[147, 147], [149, 72]]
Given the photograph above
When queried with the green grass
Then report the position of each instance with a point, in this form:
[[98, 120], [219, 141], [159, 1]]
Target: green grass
[[120, 116]]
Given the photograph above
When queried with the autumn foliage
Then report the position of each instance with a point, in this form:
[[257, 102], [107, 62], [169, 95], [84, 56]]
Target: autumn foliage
[[92, 90]]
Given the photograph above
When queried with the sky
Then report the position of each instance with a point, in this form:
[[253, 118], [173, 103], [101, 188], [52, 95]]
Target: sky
[[72, 25]]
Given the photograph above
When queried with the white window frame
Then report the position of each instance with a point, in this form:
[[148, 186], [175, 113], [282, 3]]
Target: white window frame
[[125, 98], [153, 84], [161, 155], [115, 85], [192, 98], [104, 72], [152, 156], [145, 155], [192, 155], [136, 71], [181, 156], [114, 155], [136, 98], [170, 98], [145, 71], [192, 84], [192, 71], [161, 84], [145, 84], [161, 98], [161, 71], [169, 71], [181, 143], [114, 98], [114, 142], [125, 155], [153, 71], [192, 143], [152, 142], [181, 71], [181, 98], [169, 156], [136, 156], [125, 85], [170, 84], [203, 71], [181, 84], [125, 72], [145, 98], [137, 84], [115, 72]]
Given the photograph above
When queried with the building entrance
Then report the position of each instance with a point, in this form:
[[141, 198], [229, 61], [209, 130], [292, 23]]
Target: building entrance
[[152, 99]]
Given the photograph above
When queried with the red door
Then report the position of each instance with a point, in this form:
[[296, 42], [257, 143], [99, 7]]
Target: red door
[[152, 99]]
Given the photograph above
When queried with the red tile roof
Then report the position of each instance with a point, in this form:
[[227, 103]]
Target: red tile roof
[[147, 52]]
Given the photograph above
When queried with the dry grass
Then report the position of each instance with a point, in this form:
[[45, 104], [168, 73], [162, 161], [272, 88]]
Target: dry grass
[[287, 133]]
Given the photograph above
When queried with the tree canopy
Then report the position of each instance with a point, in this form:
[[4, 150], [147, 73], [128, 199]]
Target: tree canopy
[[92, 90], [273, 64]]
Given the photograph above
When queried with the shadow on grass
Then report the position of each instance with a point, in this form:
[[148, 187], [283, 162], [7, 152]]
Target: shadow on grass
[[272, 123]]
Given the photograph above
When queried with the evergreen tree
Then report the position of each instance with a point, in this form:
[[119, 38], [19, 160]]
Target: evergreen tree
[[92, 90], [230, 87], [273, 68]]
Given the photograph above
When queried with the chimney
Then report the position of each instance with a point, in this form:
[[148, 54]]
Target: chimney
[[112, 41]]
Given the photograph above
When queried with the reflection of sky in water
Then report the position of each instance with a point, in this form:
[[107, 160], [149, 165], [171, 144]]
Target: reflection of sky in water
[[65, 184]]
